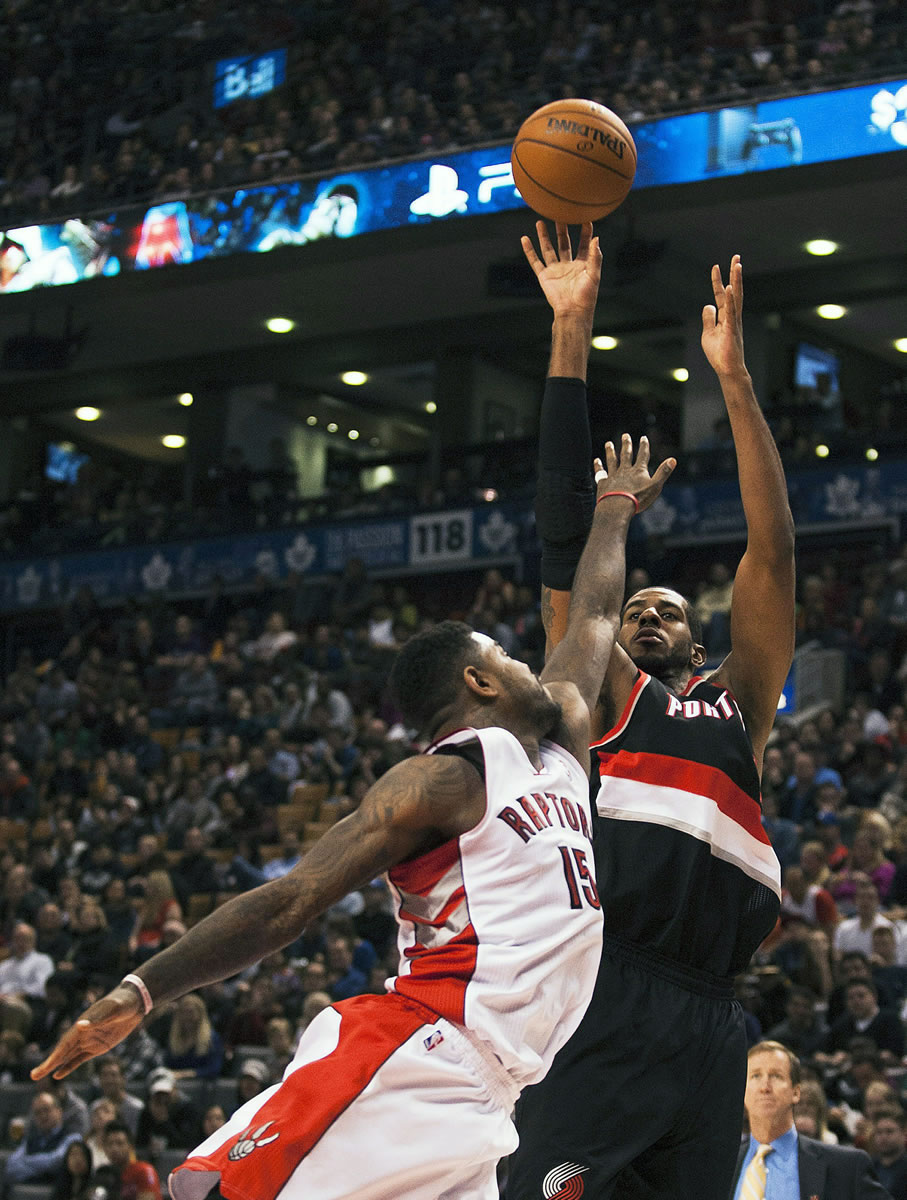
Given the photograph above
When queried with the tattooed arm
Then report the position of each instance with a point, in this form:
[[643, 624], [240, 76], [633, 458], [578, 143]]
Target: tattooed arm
[[419, 804]]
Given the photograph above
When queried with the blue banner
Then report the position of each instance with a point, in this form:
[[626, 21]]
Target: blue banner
[[429, 542], [762, 136]]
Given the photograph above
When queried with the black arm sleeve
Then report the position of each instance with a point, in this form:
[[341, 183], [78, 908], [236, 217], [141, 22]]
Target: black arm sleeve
[[566, 490]]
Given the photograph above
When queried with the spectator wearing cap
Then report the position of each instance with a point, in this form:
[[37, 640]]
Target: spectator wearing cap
[[855, 933], [169, 1121], [254, 1077]]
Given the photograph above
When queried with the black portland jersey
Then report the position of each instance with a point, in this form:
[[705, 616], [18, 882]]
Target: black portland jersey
[[684, 866]]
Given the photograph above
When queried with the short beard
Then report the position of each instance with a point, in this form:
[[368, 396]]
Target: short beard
[[665, 668]]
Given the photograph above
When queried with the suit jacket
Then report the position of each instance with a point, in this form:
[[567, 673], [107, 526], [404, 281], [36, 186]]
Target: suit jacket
[[829, 1172]]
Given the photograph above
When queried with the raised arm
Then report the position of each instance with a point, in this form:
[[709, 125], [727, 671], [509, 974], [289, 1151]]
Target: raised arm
[[566, 492], [625, 487], [762, 608], [420, 803]]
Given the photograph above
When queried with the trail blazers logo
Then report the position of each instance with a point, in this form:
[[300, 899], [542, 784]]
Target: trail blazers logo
[[564, 1182], [249, 1141]]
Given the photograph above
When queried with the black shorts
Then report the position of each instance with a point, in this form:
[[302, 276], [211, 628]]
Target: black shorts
[[645, 1102]]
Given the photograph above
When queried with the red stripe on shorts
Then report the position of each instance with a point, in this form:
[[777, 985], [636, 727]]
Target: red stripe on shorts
[[313, 1097]]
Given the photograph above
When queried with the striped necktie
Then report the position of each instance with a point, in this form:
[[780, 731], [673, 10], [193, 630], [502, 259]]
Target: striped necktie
[[754, 1180]]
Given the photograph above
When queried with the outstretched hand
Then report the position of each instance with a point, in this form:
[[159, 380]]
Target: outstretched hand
[[722, 322], [570, 283], [101, 1027], [620, 473]]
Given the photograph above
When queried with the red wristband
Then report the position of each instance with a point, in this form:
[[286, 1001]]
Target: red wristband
[[629, 496], [139, 985]]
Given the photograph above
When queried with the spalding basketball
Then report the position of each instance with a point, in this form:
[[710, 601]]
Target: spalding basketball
[[573, 161]]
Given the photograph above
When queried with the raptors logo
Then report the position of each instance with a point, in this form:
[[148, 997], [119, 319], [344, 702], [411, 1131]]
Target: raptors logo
[[249, 1141], [564, 1182]]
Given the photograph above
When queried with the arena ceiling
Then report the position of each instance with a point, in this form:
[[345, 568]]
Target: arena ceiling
[[391, 303]]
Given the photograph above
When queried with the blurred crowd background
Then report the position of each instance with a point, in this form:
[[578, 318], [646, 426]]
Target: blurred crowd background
[[158, 758]]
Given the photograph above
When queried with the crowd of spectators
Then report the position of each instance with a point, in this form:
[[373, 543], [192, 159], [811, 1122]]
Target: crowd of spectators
[[154, 761], [105, 104]]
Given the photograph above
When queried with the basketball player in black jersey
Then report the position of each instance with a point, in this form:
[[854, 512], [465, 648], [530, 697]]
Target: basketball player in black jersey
[[646, 1100]]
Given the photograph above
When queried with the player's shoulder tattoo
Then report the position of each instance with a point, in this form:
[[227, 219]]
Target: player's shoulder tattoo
[[547, 609]]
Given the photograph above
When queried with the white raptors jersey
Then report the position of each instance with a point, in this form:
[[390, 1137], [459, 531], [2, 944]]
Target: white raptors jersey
[[500, 929]]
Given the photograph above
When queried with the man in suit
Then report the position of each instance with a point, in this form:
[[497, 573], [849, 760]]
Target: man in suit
[[776, 1163]]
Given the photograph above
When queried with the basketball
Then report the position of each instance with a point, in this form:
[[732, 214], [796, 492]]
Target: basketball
[[573, 161]]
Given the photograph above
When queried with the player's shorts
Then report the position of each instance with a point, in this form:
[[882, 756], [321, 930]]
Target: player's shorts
[[382, 1100], [646, 1099]]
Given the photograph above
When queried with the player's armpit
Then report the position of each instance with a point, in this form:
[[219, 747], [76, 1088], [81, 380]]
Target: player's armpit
[[555, 614], [762, 641]]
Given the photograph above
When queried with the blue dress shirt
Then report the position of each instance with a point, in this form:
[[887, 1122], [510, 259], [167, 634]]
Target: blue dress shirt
[[782, 1171]]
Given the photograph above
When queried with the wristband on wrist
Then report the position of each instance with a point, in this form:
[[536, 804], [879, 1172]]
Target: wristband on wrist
[[629, 496], [139, 985]]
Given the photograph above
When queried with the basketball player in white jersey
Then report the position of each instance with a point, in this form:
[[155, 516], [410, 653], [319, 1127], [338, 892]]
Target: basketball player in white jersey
[[485, 840]]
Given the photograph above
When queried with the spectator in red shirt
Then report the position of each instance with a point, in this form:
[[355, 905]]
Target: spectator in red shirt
[[809, 901], [126, 1177]]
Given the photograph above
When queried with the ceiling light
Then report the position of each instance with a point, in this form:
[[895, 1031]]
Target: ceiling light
[[681, 374], [353, 435], [431, 407], [87, 413], [332, 426], [831, 312], [354, 378], [871, 453], [311, 420], [822, 450], [604, 341], [820, 247], [280, 324], [901, 344], [186, 399], [173, 441]]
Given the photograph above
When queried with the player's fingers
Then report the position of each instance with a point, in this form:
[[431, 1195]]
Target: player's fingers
[[610, 458], [626, 449], [585, 240], [531, 257], [564, 248], [709, 318], [717, 285], [599, 472], [737, 278], [664, 470], [642, 457], [549, 254]]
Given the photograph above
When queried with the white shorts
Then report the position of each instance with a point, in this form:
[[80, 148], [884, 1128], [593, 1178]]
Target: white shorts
[[382, 1101]]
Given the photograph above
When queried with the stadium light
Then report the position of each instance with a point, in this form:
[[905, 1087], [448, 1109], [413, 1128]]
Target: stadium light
[[831, 312], [681, 374], [604, 341], [88, 413], [280, 324], [354, 378], [173, 441], [820, 247]]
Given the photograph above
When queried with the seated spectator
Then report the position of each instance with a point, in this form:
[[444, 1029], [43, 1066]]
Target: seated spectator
[[863, 1017], [74, 1182], [813, 903], [25, 972], [280, 1046], [194, 1050], [52, 939], [158, 905], [14, 1068], [73, 1107], [195, 872], [112, 1083], [20, 900], [856, 932], [866, 858], [782, 832], [169, 1120], [125, 1177], [889, 1151], [214, 1117], [118, 911], [344, 979], [253, 1078], [194, 696], [811, 1113], [192, 810], [139, 1056], [54, 1012], [376, 923], [94, 951], [40, 1156], [803, 1029], [101, 1113]]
